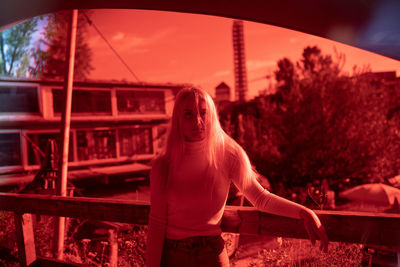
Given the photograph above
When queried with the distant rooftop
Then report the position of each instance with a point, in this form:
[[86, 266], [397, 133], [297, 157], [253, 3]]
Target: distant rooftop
[[222, 85], [381, 75], [97, 83]]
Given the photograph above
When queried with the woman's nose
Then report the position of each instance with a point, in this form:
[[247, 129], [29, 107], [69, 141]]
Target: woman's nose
[[198, 120]]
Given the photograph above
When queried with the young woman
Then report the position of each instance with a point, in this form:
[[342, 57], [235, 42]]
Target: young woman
[[189, 185]]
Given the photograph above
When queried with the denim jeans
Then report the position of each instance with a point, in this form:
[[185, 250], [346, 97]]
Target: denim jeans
[[207, 251]]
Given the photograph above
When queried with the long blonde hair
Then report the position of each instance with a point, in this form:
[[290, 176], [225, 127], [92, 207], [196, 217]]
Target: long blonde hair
[[217, 143]]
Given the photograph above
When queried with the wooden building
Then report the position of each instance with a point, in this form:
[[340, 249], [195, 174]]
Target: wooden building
[[116, 127]]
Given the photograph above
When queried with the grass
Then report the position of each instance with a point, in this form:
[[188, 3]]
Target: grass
[[131, 244], [89, 251], [299, 252]]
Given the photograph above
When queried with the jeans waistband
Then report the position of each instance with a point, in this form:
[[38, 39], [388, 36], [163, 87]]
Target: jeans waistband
[[192, 242]]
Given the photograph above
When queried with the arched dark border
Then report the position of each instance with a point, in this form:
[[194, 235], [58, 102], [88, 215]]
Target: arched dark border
[[372, 25]]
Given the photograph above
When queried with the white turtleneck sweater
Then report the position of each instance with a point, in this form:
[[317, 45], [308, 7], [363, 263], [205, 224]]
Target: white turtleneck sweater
[[197, 197]]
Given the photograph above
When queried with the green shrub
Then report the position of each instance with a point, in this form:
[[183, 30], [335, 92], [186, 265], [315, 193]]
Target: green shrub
[[299, 252]]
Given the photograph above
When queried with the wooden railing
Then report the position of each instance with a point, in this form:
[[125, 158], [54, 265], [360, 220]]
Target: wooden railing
[[376, 229]]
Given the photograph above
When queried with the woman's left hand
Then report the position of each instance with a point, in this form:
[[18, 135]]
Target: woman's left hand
[[314, 228]]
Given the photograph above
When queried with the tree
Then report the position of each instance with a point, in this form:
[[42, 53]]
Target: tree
[[49, 54], [322, 124], [285, 75], [14, 47], [335, 125]]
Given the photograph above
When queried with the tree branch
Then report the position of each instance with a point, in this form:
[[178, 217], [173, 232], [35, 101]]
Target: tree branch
[[16, 48], [2, 52]]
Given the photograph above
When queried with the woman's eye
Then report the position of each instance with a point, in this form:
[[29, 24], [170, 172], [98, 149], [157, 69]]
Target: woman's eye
[[187, 115], [203, 114]]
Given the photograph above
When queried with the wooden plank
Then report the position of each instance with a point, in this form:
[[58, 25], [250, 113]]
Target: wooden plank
[[25, 239], [50, 262], [15, 179], [113, 247], [125, 211], [382, 229], [127, 168]]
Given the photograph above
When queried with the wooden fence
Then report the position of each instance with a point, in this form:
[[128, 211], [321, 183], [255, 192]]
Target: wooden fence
[[376, 229]]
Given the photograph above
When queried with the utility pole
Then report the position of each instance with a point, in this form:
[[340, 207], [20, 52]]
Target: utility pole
[[65, 130]]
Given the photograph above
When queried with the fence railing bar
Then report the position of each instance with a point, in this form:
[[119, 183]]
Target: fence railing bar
[[381, 229]]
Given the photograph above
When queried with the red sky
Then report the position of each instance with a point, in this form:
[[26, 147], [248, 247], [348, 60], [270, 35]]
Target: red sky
[[197, 49]]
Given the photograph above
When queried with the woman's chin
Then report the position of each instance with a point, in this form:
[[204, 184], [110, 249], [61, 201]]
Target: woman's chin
[[195, 138]]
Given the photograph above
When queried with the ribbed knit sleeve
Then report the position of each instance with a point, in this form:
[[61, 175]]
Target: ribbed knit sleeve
[[158, 215], [261, 198]]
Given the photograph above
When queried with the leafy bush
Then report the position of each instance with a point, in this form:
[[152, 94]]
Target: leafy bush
[[298, 252]]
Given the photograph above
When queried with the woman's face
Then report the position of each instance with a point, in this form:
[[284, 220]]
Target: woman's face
[[193, 120]]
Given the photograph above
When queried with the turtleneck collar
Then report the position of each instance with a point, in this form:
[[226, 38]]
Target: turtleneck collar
[[195, 147]]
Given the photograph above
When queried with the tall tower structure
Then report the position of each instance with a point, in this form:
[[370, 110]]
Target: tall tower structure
[[239, 61]]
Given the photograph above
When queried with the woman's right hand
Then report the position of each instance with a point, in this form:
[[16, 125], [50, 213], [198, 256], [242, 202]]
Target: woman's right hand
[[314, 228]]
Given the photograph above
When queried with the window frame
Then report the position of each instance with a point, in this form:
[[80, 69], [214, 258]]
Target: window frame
[[83, 114], [144, 90], [23, 115], [11, 168], [25, 144], [138, 156]]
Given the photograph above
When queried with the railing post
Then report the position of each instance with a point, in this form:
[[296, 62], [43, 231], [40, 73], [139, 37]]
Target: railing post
[[113, 247], [25, 239], [398, 258]]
